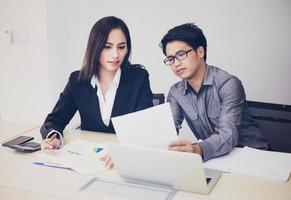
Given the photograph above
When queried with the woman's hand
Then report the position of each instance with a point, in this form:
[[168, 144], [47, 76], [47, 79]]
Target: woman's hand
[[51, 143], [108, 161]]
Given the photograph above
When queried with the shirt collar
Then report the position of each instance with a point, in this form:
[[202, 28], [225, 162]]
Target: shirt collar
[[207, 80], [115, 81], [209, 76]]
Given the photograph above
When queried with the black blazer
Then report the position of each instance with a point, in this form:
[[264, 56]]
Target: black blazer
[[133, 94]]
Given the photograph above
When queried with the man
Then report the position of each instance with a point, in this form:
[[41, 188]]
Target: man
[[212, 101]]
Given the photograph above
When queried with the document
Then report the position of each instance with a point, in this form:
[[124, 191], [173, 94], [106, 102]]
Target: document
[[79, 155], [152, 127], [254, 162], [226, 162], [264, 164]]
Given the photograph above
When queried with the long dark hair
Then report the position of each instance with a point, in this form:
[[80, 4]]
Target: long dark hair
[[96, 42]]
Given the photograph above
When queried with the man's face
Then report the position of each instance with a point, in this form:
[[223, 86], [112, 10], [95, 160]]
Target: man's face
[[187, 67]]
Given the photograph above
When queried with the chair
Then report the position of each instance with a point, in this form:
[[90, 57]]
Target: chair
[[158, 98], [275, 122]]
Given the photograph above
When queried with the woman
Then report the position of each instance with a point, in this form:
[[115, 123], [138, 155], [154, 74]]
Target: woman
[[106, 86]]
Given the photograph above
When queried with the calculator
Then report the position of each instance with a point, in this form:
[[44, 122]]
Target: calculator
[[26, 147], [23, 143]]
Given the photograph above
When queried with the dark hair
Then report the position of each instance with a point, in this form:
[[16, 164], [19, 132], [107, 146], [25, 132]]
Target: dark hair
[[189, 33], [96, 42]]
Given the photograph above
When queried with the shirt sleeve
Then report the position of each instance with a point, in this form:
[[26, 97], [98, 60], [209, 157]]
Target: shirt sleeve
[[60, 136], [176, 111], [233, 101]]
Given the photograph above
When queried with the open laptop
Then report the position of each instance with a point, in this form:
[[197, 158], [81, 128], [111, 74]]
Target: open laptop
[[178, 170]]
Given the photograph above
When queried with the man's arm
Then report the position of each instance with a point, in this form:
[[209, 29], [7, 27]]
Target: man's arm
[[176, 110], [232, 97]]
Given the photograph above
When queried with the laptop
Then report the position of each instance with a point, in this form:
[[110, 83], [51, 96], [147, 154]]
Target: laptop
[[177, 170]]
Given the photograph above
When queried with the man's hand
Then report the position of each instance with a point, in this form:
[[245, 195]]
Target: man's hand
[[185, 146]]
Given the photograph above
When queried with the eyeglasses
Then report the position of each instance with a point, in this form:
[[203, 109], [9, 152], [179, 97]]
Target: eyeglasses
[[180, 55]]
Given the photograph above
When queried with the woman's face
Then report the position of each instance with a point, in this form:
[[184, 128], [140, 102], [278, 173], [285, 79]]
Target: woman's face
[[114, 51]]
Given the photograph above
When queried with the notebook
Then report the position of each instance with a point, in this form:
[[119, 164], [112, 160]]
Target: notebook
[[178, 170]]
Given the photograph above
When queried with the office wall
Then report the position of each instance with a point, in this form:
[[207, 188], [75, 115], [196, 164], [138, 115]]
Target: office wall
[[24, 83], [248, 38]]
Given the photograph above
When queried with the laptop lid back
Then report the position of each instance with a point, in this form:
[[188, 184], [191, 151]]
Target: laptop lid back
[[180, 170]]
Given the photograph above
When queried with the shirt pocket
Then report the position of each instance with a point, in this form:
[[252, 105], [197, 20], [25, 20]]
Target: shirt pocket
[[213, 113], [213, 108]]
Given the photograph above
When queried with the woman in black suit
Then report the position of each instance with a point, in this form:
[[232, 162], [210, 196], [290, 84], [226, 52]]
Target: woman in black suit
[[106, 86]]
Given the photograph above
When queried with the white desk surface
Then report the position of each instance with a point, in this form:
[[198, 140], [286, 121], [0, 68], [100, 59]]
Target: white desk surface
[[9, 130], [20, 178]]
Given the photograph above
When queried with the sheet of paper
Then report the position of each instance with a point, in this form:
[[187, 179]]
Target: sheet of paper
[[226, 162], [264, 164], [152, 127], [79, 155]]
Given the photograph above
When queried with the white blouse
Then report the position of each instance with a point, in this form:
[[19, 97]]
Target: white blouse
[[106, 102]]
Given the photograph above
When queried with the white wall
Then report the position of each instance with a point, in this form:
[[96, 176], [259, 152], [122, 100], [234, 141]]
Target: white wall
[[249, 38], [24, 83]]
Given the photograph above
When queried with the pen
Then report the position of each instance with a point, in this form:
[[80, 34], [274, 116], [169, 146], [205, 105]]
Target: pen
[[53, 137], [55, 165], [98, 149]]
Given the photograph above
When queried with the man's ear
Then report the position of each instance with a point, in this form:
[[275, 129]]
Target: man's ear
[[200, 52]]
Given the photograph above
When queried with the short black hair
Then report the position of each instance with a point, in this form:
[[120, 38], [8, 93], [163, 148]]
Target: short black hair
[[188, 33]]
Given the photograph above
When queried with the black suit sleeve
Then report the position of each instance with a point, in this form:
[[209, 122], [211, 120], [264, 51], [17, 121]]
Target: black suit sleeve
[[62, 113], [145, 99]]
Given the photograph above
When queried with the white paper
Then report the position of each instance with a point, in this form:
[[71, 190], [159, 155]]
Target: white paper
[[254, 162], [152, 127], [264, 164], [226, 162], [79, 155]]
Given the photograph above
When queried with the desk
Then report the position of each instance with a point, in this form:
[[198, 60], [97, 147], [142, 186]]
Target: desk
[[18, 176], [9, 130]]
